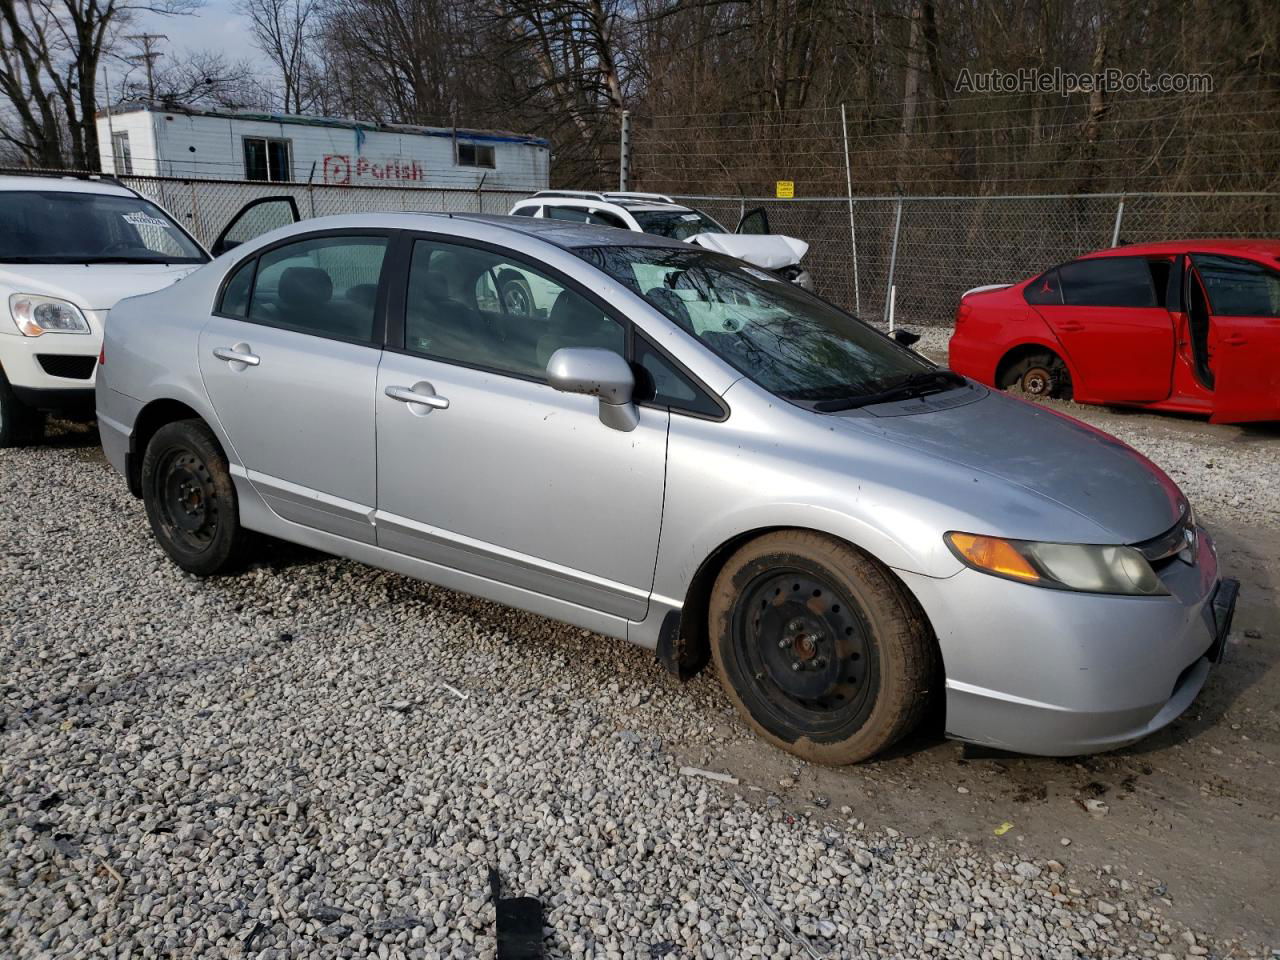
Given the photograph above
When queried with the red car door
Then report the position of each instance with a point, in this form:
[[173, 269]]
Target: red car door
[[1118, 339], [1244, 318]]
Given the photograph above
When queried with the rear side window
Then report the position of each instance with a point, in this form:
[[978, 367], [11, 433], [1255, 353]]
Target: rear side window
[[326, 286], [1107, 282], [568, 213], [1239, 288], [1044, 289], [235, 296]]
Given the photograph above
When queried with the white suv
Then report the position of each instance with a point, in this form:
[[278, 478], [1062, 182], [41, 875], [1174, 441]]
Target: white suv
[[659, 214], [70, 249]]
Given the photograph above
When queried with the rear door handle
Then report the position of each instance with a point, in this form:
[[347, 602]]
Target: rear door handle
[[232, 355], [409, 395], [1235, 339], [1070, 326]]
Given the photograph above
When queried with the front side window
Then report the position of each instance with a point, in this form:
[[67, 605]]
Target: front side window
[[791, 343], [267, 160], [1107, 282], [326, 286], [476, 155], [481, 309], [62, 226], [1238, 287], [677, 224]]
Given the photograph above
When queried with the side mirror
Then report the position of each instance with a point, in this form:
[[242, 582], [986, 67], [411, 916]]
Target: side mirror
[[906, 337], [597, 373]]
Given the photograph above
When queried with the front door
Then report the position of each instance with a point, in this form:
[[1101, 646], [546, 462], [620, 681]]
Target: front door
[[290, 362], [494, 472], [1244, 336], [1118, 338]]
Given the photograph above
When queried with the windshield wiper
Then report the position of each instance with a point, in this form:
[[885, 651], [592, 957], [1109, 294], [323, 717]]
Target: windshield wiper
[[915, 385]]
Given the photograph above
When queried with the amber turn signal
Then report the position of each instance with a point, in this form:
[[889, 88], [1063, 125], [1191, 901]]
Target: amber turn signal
[[993, 554]]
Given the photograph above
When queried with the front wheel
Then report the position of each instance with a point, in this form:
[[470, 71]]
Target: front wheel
[[818, 646], [190, 498]]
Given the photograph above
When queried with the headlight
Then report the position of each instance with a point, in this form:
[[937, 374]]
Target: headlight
[[35, 315], [1065, 566]]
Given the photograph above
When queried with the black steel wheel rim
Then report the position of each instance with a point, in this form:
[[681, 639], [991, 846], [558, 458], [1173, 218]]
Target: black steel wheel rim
[[805, 651], [187, 499]]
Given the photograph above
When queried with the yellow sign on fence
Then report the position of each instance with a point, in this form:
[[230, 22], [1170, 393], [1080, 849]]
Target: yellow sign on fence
[[786, 189]]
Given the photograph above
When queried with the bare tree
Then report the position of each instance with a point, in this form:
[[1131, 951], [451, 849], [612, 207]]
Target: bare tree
[[50, 51], [210, 78], [283, 31]]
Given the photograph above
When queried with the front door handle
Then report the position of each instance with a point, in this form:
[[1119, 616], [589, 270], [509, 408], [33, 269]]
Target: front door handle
[[1235, 339], [237, 354], [411, 395]]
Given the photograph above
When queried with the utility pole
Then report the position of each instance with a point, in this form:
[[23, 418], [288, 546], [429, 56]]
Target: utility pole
[[147, 56]]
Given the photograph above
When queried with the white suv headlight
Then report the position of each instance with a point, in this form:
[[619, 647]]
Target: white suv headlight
[[35, 315]]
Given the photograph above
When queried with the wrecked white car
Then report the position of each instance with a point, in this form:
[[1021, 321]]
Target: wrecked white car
[[656, 213]]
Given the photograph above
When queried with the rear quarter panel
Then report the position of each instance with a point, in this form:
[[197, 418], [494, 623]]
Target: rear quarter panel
[[991, 324]]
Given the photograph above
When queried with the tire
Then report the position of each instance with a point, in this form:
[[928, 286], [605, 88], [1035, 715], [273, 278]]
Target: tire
[[865, 653], [191, 500], [20, 425], [1039, 375], [515, 294]]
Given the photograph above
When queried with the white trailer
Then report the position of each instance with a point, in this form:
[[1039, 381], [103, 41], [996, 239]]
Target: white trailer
[[171, 140]]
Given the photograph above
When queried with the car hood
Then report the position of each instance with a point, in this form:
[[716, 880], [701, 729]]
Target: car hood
[[98, 286], [769, 251], [1054, 456]]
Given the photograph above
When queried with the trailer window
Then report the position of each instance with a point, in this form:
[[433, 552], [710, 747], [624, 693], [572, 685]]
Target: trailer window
[[267, 160], [475, 155]]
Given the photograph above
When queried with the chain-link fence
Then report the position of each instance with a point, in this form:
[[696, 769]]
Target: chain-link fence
[[205, 206], [929, 250], [932, 249]]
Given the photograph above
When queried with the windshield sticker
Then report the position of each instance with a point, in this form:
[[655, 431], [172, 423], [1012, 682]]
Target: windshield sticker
[[760, 274], [689, 216], [140, 219]]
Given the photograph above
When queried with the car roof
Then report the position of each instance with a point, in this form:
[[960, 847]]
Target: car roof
[[1258, 246], [63, 185], [568, 234], [632, 206]]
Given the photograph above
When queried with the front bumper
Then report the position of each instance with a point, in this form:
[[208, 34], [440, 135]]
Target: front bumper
[[1058, 673]]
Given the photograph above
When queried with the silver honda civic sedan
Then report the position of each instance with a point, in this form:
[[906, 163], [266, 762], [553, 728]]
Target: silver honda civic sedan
[[660, 443]]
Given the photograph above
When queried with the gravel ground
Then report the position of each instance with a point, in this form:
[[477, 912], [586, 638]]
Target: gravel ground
[[317, 758]]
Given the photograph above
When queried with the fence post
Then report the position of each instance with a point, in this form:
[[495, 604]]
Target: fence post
[[1115, 234], [624, 153], [853, 233], [893, 259], [196, 226]]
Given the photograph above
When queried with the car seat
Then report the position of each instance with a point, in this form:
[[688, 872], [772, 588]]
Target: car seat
[[573, 322]]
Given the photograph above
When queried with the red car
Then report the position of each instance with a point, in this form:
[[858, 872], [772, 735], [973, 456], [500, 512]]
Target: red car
[[1191, 326]]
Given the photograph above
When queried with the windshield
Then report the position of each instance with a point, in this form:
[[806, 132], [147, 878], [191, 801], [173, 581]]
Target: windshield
[[791, 343], [59, 226], [678, 224]]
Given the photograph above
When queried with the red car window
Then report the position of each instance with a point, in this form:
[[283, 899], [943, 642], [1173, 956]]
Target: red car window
[[1044, 289]]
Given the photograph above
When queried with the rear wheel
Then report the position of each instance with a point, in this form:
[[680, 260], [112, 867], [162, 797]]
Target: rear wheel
[[20, 425], [1041, 374], [190, 498], [819, 647]]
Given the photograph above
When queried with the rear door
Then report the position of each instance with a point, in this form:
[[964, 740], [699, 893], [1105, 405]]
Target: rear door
[[1118, 338], [1244, 318], [290, 362]]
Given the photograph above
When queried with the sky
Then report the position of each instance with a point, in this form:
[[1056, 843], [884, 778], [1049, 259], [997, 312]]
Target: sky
[[216, 27]]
